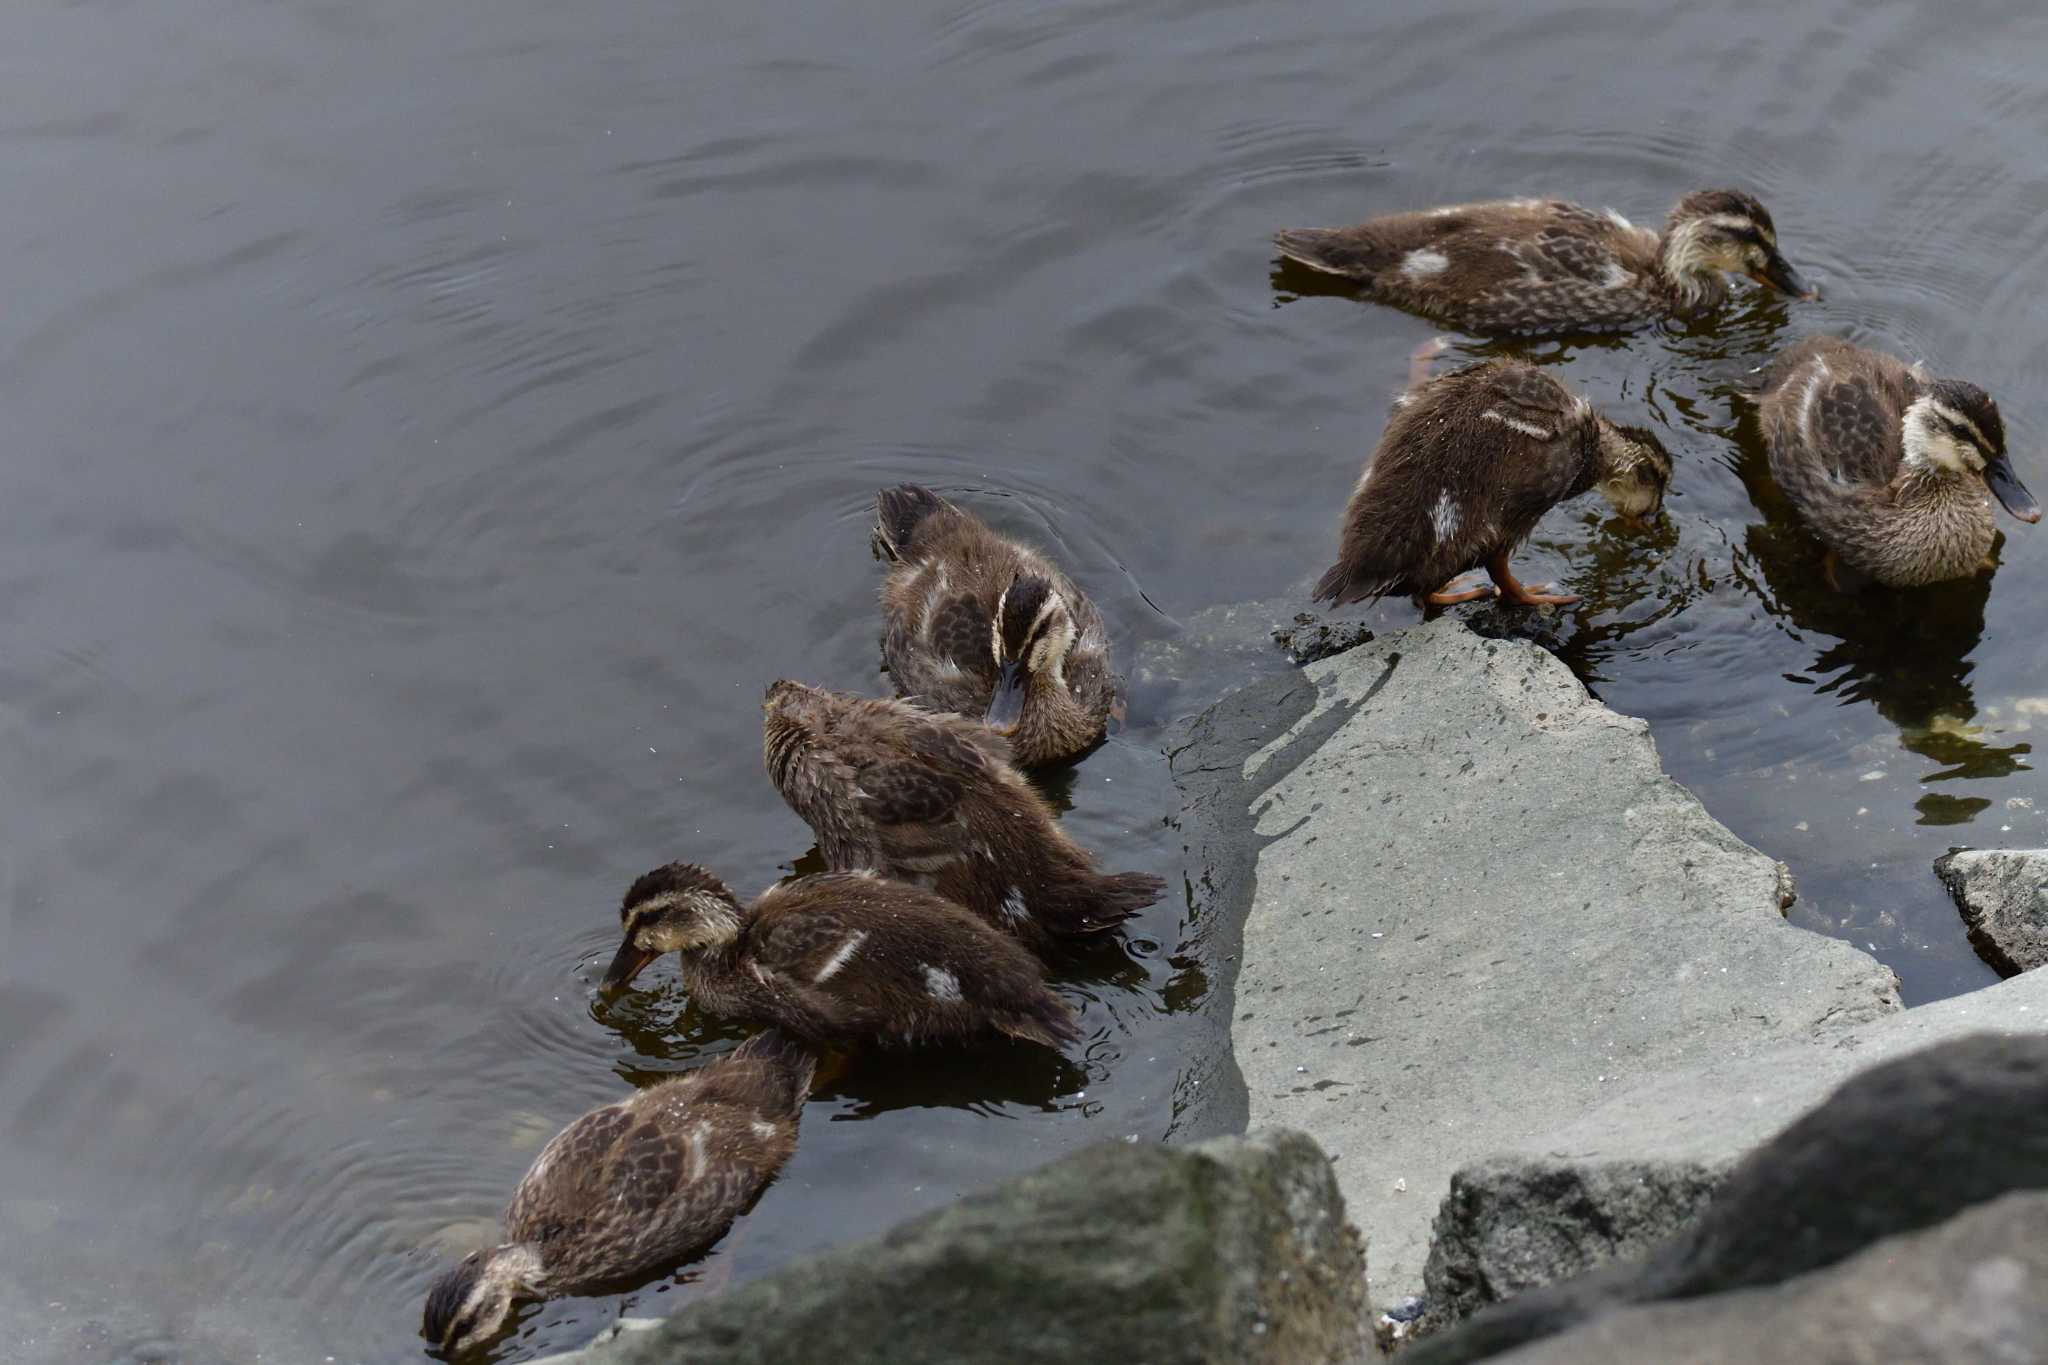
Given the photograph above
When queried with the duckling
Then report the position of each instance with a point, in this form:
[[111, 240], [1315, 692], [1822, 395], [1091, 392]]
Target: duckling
[[1467, 466], [1543, 265], [977, 623], [934, 799], [838, 956], [1888, 465], [632, 1189]]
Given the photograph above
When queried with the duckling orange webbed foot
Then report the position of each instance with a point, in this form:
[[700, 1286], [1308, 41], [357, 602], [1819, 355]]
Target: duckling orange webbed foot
[[1450, 595], [1521, 594]]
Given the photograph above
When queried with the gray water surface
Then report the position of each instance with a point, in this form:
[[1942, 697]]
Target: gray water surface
[[428, 427]]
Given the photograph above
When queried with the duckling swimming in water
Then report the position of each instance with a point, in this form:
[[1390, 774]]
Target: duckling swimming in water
[[838, 957], [977, 623], [933, 799], [633, 1189], [1543, 265], [1467, 466], [1888, 466]]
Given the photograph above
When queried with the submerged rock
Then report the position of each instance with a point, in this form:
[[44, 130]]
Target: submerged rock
[[2003, 897], [1899, 1148], [1229, 1251], [1309, 637]]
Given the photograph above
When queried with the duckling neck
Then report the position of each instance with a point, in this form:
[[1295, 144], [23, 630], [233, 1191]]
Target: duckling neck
[[715, 978], [1683, 269], [1053, 720]]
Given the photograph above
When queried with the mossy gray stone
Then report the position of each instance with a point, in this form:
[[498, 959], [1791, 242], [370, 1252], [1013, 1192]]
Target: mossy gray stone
[[1230, 1251]]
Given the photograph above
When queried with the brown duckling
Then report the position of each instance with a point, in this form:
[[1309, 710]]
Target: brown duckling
[[977, 623], [1543, 265], [933, 798], [837, 957], [1889, 466], [633, 1189], [1467, 466]]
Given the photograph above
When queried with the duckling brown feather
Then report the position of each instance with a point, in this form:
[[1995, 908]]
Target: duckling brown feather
[[1833, 417], [1467, 466], [1503, 266], [636, 1187], [933, 799], [851, 955], [948, 572]]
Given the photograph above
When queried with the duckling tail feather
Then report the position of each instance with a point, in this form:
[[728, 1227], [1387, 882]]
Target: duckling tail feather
[[1332, 250], [1343, 584], [1050, 1023], [788, 1058], [898, 513], [1117, 897]]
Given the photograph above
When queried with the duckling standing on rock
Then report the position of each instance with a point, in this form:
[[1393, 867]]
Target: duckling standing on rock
[[933, 799], [838, 957], [633, 1189], [1889, 467], [976, 623], [1543, 265], [1467, 466]]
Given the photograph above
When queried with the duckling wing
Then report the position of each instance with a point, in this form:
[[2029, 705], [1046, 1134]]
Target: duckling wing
[[868, 956], [1831, 418], [937, 648]]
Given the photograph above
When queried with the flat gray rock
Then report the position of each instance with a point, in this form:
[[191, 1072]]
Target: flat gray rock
[[1971, 1291], [1235, 1250], [2003, 897], [1481, 910]]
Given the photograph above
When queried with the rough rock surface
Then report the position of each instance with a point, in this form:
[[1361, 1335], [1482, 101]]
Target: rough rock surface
[[1900, 1147], [1481, 909], [1235, 1250], [1971, 1291], [1541, 1210], [2003, 894]]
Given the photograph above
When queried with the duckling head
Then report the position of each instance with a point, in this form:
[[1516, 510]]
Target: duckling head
[[1032, 635], [1634, 471], [1716, 231], [679, 908], [1955, 429], [472, 1301]]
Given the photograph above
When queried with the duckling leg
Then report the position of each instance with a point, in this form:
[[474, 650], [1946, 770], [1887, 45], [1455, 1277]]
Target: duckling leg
[[1520, 593], [1449, 595]]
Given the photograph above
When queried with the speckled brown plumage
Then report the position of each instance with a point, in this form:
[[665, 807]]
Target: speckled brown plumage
[[1543, 265], [933, 799], [951, 582], [839, 957], [635, 1188], [1891, 468], [1467, 466]]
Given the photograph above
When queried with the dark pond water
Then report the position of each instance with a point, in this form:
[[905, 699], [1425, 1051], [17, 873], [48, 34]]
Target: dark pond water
[[428, 427]]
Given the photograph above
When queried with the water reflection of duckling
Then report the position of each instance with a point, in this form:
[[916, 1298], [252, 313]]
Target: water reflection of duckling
[[838, 958], [933, 799], [1467, 466], [977, 623], [633, 1189], [1888, 466], [1543, 265]]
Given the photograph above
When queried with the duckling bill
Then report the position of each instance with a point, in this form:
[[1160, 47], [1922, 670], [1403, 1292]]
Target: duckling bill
[[1890, 467], [838, 957], [632, 1190], [978, 623], [1545, 265], [1467, 466], [933, 799]]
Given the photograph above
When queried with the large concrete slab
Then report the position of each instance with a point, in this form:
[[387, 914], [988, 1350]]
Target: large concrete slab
[[1482, 911]]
